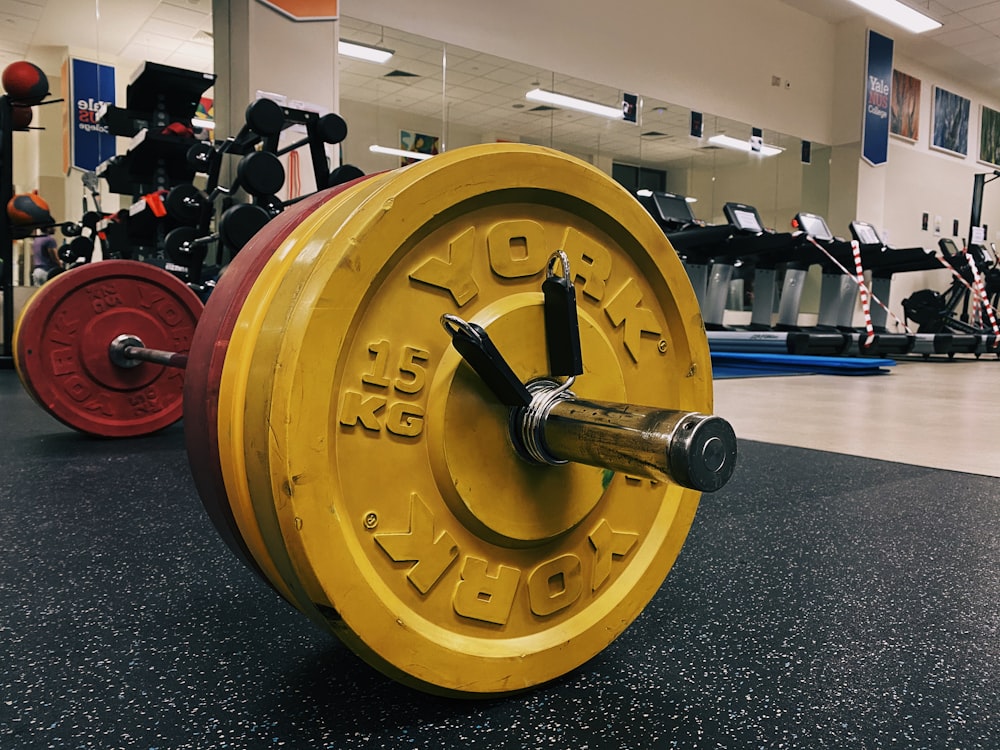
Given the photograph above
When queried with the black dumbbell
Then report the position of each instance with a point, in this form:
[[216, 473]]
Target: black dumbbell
[[264, 117], [184, 203], [329, 128], [260, 173], [200, 156], [239, 223], [187, 246], [343, 173]]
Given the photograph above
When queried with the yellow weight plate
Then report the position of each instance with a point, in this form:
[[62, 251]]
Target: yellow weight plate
[[257, 526], [451, 564]]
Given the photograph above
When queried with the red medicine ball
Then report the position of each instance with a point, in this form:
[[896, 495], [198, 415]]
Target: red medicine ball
[[25, 82], [28, 208]]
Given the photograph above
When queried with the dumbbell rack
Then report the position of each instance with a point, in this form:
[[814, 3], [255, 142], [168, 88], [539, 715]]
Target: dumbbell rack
[[156, 96]]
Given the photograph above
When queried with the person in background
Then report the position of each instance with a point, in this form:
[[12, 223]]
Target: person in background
[[44, 256]]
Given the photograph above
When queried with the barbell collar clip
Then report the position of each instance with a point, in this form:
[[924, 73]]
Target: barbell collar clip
[[482, 355], [562, 324]]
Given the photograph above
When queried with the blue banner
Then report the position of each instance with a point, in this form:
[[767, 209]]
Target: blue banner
[[91, 85], [878, 95]]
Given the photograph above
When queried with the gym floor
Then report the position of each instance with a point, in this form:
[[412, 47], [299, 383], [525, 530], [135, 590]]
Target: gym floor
[[843, 591]]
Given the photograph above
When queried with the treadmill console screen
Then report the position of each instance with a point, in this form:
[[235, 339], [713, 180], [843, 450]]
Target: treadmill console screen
[[948, 247], [865, 233], [815, 226], [673, 208], [743, 217]]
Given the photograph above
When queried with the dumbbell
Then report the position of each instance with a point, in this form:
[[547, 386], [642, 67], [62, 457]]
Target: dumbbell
[[237, 225], [184, 203], [330, 128], [259, 173], [264, 119]]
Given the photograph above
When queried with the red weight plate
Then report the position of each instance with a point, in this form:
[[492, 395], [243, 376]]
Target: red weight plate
[[63, 337], [208, 355]]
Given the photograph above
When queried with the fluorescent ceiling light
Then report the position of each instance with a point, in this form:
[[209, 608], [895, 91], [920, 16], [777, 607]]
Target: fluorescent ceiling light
[[399, 152], [367, 52], [735, 143], [571, 102], [899, 14]]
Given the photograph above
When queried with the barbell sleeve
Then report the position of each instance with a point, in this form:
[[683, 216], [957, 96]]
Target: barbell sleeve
[[691, 449], [129, 351]]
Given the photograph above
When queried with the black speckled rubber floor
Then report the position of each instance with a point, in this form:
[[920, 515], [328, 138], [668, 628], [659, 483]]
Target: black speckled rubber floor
[[821, 601]]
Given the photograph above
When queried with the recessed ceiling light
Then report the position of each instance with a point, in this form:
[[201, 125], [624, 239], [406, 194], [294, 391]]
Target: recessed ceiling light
[[360, 51], [900, 14], [571, 102], [727, 141]]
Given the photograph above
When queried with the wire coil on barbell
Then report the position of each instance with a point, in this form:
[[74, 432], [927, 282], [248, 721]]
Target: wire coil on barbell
[[527, 424]]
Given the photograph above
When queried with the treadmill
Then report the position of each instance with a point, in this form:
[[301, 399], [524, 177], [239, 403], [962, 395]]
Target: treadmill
[[763, 251], [766, 252], [712, 253], [839, 293], [692, 239], [884, 262]]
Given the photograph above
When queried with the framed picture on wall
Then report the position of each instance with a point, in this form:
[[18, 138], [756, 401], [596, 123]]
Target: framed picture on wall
[[904, 114], [950, 122], [419, 142], [989, 136]]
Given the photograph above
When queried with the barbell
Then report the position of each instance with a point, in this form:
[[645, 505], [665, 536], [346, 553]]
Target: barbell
[[346, 432]]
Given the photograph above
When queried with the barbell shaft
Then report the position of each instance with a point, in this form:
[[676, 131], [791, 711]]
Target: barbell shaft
[[693, 450], [156, 356], [688, 448]]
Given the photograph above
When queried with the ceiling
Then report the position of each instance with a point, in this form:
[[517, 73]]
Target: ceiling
[[484, 92]]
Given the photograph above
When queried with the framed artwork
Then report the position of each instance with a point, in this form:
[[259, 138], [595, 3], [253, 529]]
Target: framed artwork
[[950, 122], [419, 142], [904, 112], [989, 136]]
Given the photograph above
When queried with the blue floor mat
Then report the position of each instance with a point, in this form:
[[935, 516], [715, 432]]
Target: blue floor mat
[[747, 365]]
